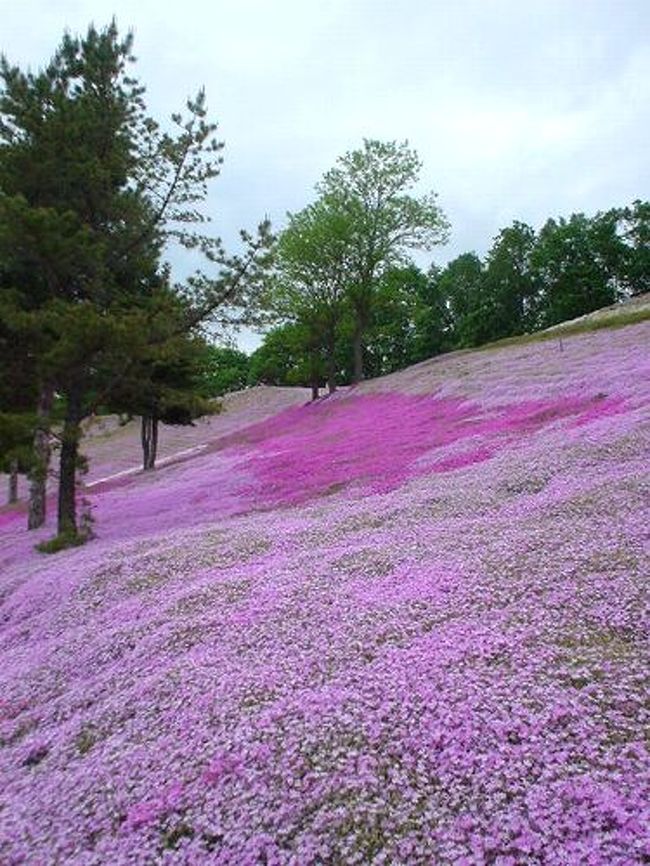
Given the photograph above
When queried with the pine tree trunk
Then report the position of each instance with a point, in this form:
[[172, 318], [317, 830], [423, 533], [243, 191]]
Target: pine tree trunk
[[67, 512], [38, 476], [145, 439], [314, 389], [149, 439], [154, 442], [13, 482]]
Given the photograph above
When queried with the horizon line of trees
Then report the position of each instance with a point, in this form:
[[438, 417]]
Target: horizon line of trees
[[528, 280]]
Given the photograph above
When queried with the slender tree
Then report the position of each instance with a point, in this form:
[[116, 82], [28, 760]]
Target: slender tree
[[372, 188], [510, 286]]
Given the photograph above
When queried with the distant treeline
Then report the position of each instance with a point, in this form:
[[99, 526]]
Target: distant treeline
[[527, 281]]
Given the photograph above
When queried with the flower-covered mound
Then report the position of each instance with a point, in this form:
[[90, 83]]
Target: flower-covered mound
[[405, 625]]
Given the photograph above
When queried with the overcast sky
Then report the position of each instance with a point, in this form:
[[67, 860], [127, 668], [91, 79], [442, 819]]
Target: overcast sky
[[519, 109]]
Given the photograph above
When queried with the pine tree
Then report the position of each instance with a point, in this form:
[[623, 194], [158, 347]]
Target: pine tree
[[91, 190]]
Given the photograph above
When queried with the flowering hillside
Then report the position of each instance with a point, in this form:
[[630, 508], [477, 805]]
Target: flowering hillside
[[407, 624]]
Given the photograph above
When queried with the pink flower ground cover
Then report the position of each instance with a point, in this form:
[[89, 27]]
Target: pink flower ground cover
[[405, 625]]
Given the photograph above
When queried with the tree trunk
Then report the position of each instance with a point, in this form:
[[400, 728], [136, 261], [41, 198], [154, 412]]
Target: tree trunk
[[331, 371], [149, 438], [330, 359], [67, 516], [154, 441], [314, 376], [357, 346], [13, 482], [38, 475], [145, 439]]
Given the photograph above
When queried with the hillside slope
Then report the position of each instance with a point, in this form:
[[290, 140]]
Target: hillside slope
[[405, 625]]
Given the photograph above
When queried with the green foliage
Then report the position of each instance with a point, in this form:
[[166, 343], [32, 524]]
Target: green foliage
[[92, 189], [344, 275], [17, 404], [16, 435], [526, 282], [335, 253], [372, 189], [308, 287], [530, 280], [164, 376], [635, 233], [398, 311], [510, 285], [283, 358], [577, 262], [462, 286], [433, 321], [223, 369], [62, 541]]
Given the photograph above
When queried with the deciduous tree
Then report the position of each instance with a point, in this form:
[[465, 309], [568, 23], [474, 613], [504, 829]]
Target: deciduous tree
[[311, 275], [373, 190]]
